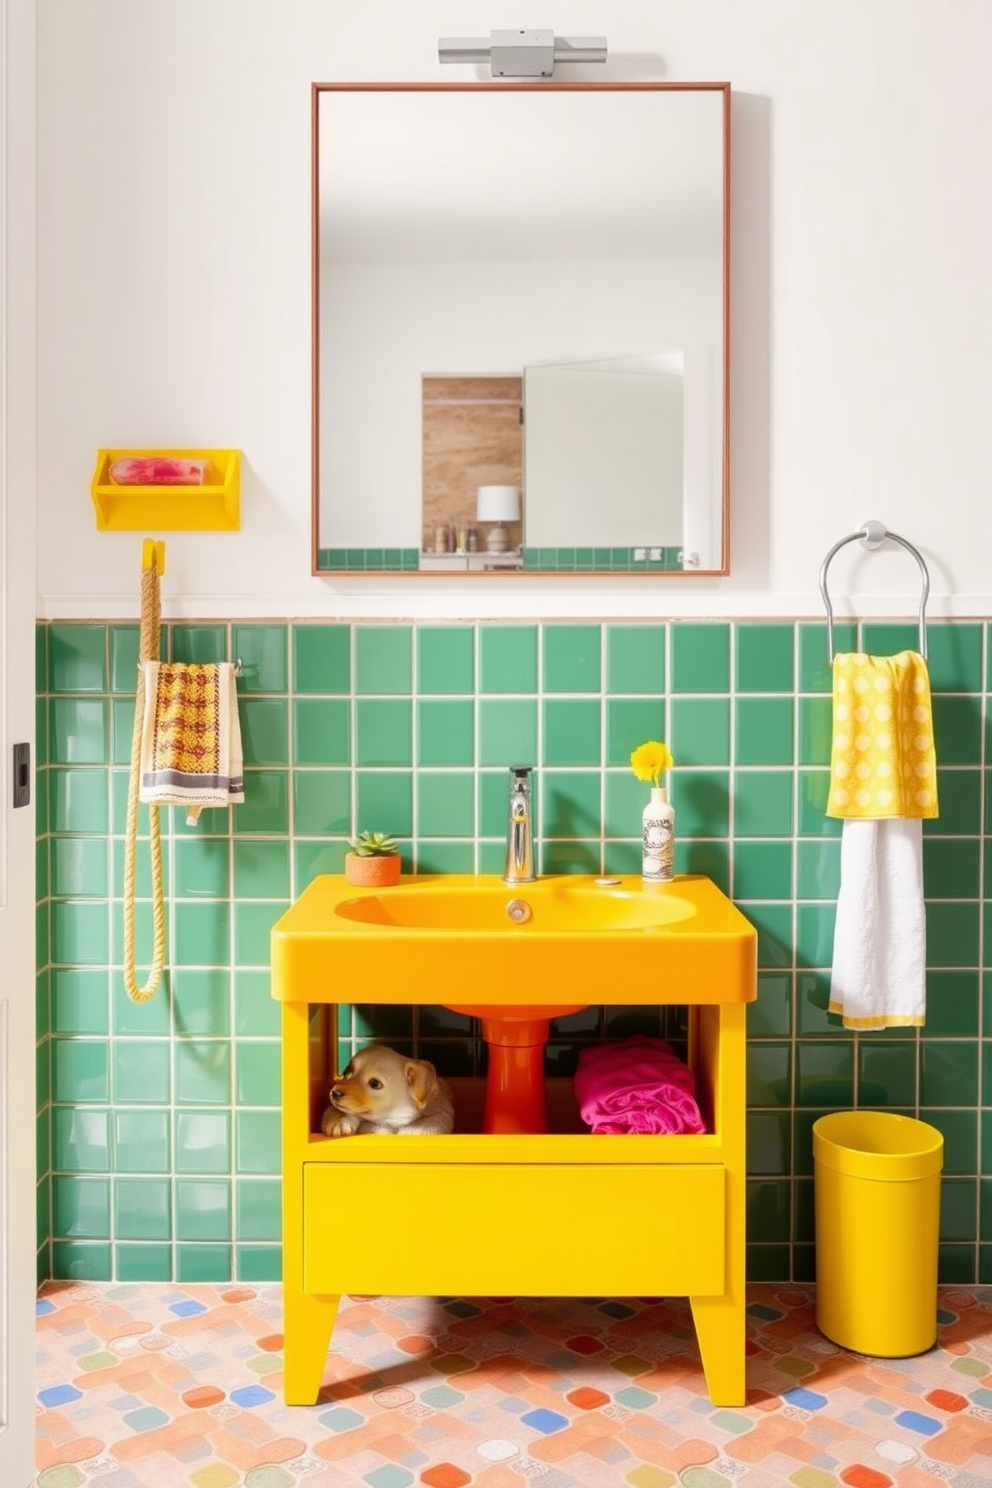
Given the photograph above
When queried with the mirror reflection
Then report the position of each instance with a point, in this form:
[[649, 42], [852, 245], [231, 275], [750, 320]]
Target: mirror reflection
[[520, 350]]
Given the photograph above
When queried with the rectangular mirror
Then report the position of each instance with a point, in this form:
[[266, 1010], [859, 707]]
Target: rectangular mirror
[[521, 328]]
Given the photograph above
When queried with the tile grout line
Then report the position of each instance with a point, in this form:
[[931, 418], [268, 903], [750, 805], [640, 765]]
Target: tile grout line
[[982, 947], [797, 679]]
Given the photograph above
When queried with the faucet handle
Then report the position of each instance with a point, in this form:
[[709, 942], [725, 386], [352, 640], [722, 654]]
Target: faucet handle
[[520, 772]]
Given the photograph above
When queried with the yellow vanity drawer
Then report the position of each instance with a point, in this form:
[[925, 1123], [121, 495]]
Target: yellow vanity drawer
[[533, 1230]]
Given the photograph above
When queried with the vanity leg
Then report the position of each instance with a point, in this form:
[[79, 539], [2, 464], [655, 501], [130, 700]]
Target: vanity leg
[[307, 1324], [307, 1319], [720, 1334], [720, 1042]]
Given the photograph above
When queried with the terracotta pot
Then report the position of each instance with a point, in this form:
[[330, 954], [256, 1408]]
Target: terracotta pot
[[372, 873]]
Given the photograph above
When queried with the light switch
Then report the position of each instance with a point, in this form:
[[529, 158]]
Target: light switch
[[22, 774]]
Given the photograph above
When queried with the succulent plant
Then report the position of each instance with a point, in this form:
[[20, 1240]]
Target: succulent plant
[[374, 845]]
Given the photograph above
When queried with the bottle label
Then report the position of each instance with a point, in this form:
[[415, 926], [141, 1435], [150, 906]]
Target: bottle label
[[658, 848]]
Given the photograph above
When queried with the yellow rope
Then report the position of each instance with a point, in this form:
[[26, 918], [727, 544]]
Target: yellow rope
[[148, 650]]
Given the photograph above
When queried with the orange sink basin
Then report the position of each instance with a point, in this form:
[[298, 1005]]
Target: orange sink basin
[[453, 939], [488, 906]]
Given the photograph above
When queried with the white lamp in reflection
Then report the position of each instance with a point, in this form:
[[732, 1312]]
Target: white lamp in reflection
[[498, 504]]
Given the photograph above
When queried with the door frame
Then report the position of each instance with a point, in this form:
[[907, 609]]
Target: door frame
[[18, 477]]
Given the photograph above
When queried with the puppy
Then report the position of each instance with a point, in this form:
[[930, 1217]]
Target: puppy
[[382, 1091]]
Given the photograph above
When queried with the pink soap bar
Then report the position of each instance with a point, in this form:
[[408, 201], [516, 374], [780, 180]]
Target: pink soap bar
[[158, 470]]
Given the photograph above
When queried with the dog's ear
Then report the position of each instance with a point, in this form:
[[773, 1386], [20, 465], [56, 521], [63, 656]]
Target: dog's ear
[[421, 1077]]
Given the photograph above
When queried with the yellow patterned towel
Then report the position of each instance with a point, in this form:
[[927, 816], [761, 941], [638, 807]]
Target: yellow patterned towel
[[883, 763], [191, 738]]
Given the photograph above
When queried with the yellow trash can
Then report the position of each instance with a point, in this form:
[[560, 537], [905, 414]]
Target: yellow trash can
[[877, 1203]]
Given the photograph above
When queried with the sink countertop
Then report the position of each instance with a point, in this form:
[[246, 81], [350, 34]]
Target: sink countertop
[[706, 955]]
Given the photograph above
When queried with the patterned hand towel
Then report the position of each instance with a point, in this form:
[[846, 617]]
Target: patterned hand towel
[[883, 783], [882, 762], [191, 737]]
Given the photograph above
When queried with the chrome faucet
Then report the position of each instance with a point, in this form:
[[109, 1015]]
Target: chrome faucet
[[519, 829]]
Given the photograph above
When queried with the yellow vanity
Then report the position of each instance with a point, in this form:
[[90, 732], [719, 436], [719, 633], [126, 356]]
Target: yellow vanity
[[495, 1211]]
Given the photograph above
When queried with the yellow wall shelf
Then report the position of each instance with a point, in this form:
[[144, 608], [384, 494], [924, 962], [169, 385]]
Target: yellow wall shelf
[[212, 507]]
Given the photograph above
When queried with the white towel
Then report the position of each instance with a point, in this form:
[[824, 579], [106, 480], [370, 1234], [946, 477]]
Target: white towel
[[880, 953]]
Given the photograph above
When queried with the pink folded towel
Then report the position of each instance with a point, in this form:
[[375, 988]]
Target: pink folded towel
[[158, 470], [637, 1086]]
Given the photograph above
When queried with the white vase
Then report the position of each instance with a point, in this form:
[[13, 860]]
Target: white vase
[[658, 837]]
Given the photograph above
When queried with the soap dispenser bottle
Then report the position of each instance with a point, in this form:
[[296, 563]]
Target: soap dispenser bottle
[[658, 838]]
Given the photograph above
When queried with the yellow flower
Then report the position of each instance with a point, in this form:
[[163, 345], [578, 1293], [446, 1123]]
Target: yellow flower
[[650, 760]]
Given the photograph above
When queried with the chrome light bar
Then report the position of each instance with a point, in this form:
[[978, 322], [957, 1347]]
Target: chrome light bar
[[522, 53]]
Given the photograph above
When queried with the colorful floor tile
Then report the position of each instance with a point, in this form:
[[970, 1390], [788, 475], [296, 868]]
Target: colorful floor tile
[[162, 1386]]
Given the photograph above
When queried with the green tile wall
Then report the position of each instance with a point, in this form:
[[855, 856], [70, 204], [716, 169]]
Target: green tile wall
[[158, 1128], [554, 560], [74, 1007]]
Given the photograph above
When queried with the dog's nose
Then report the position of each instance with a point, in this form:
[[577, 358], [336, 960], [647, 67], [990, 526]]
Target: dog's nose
[[337, 1091]]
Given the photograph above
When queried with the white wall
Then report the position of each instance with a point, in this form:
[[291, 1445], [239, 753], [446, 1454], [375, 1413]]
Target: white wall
[[603, 456], [174, 288], [487, 319]]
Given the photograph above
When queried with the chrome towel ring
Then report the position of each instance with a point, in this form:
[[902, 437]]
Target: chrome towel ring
[[871, 536]]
